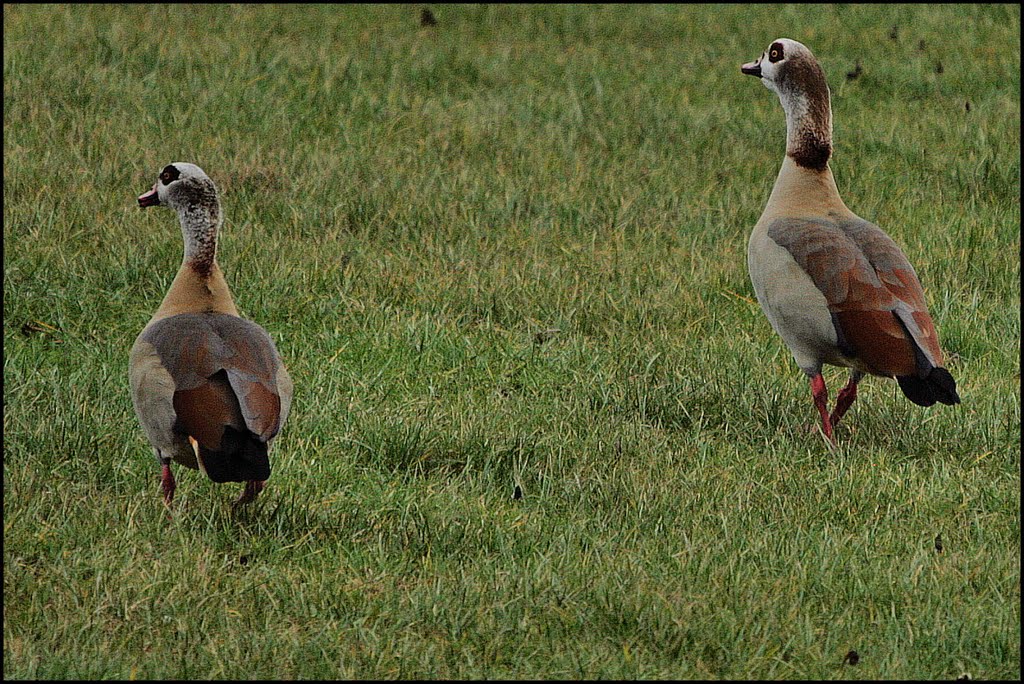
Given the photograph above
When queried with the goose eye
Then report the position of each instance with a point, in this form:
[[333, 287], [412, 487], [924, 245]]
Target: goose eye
[[774, 55], [170, 173]]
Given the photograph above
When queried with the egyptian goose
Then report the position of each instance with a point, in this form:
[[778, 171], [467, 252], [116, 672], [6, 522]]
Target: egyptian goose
[[835, 287], [208, 386]]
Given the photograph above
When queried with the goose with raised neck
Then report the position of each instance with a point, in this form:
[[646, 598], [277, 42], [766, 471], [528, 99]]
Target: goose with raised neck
[[835, 287], [208, 386]]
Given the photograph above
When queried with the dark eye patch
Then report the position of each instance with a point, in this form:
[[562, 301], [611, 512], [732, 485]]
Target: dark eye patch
[[775, 52], [169, 174]]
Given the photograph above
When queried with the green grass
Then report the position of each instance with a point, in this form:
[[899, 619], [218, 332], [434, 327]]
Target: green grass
[[507, 250]]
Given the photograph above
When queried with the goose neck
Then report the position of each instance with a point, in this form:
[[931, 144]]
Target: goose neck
[[199, 226], [808, 127], [800, 191]]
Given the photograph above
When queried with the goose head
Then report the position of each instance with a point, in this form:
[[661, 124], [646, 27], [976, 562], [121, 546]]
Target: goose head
[[187, 189], [787, 66], [790, 70], [179, 186]]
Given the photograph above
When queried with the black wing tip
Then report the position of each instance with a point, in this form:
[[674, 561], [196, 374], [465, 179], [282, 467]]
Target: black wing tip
[[937, 386]]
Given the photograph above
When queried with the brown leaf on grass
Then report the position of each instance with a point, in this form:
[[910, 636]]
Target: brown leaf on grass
[[30, 328]]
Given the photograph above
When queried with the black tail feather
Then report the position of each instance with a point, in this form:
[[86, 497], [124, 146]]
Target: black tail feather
[[937, 386], [242, 457]]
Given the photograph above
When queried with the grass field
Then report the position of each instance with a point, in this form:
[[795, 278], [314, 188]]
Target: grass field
[[508, 250]]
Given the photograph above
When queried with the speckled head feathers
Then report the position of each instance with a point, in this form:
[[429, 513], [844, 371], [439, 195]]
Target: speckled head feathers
[[179, 185], [788, 65]]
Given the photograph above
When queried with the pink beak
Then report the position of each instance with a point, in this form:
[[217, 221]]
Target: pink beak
[[149, 199], [752, 68]]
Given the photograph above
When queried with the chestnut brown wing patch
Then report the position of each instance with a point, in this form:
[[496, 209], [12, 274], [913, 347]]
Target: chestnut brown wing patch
[[864, 277], [899, 277], [878, 340], [225, 374], [204, 412], [253, 376]]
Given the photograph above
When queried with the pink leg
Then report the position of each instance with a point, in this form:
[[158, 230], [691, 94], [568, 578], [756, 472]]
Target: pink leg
[[846, 397], [167, 483], [820, 394], [251, 491]]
